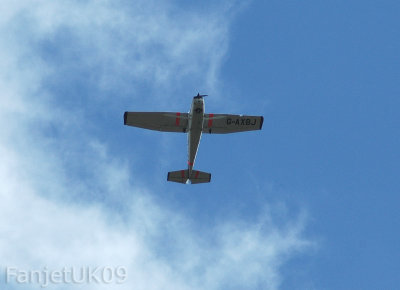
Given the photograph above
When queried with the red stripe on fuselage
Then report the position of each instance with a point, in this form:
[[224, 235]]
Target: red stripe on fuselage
[[178, 119], [210, 120], [190, 163]]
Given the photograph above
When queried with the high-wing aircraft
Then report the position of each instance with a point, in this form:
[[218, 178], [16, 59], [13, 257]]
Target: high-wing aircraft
[[194, 123]]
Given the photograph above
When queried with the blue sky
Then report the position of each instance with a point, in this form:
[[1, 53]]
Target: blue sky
[[309, 202]]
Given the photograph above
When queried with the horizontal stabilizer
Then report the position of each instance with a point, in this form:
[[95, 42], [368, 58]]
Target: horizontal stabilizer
[[182, 176]]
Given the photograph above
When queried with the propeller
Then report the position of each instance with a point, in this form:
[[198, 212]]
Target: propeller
[[200, 96]]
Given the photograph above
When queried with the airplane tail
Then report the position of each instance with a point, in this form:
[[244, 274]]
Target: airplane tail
[[182, 176]]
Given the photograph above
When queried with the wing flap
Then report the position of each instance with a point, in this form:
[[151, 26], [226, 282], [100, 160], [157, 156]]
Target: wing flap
[[225, 123], [159, 121]]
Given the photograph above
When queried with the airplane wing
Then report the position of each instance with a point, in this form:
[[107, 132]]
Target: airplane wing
[[224, 123], [160, 121]]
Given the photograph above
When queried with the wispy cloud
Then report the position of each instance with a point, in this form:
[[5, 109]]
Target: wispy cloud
[[67, 198]]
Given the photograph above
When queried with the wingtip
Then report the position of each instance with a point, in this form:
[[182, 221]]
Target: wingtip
[[125, 117], [262, 121]]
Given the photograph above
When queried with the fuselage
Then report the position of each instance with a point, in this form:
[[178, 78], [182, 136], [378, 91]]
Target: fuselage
[[196, 116]]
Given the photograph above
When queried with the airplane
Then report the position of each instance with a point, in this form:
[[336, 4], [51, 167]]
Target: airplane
[[194, 123]]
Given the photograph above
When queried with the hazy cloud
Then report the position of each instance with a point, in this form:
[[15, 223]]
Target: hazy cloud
[[66, 199]]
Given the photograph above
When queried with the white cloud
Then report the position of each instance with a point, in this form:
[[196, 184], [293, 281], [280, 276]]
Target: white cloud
[[145, 41], [61, 189]]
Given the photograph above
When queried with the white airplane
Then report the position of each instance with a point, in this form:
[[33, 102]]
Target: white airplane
[[194, 123]]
